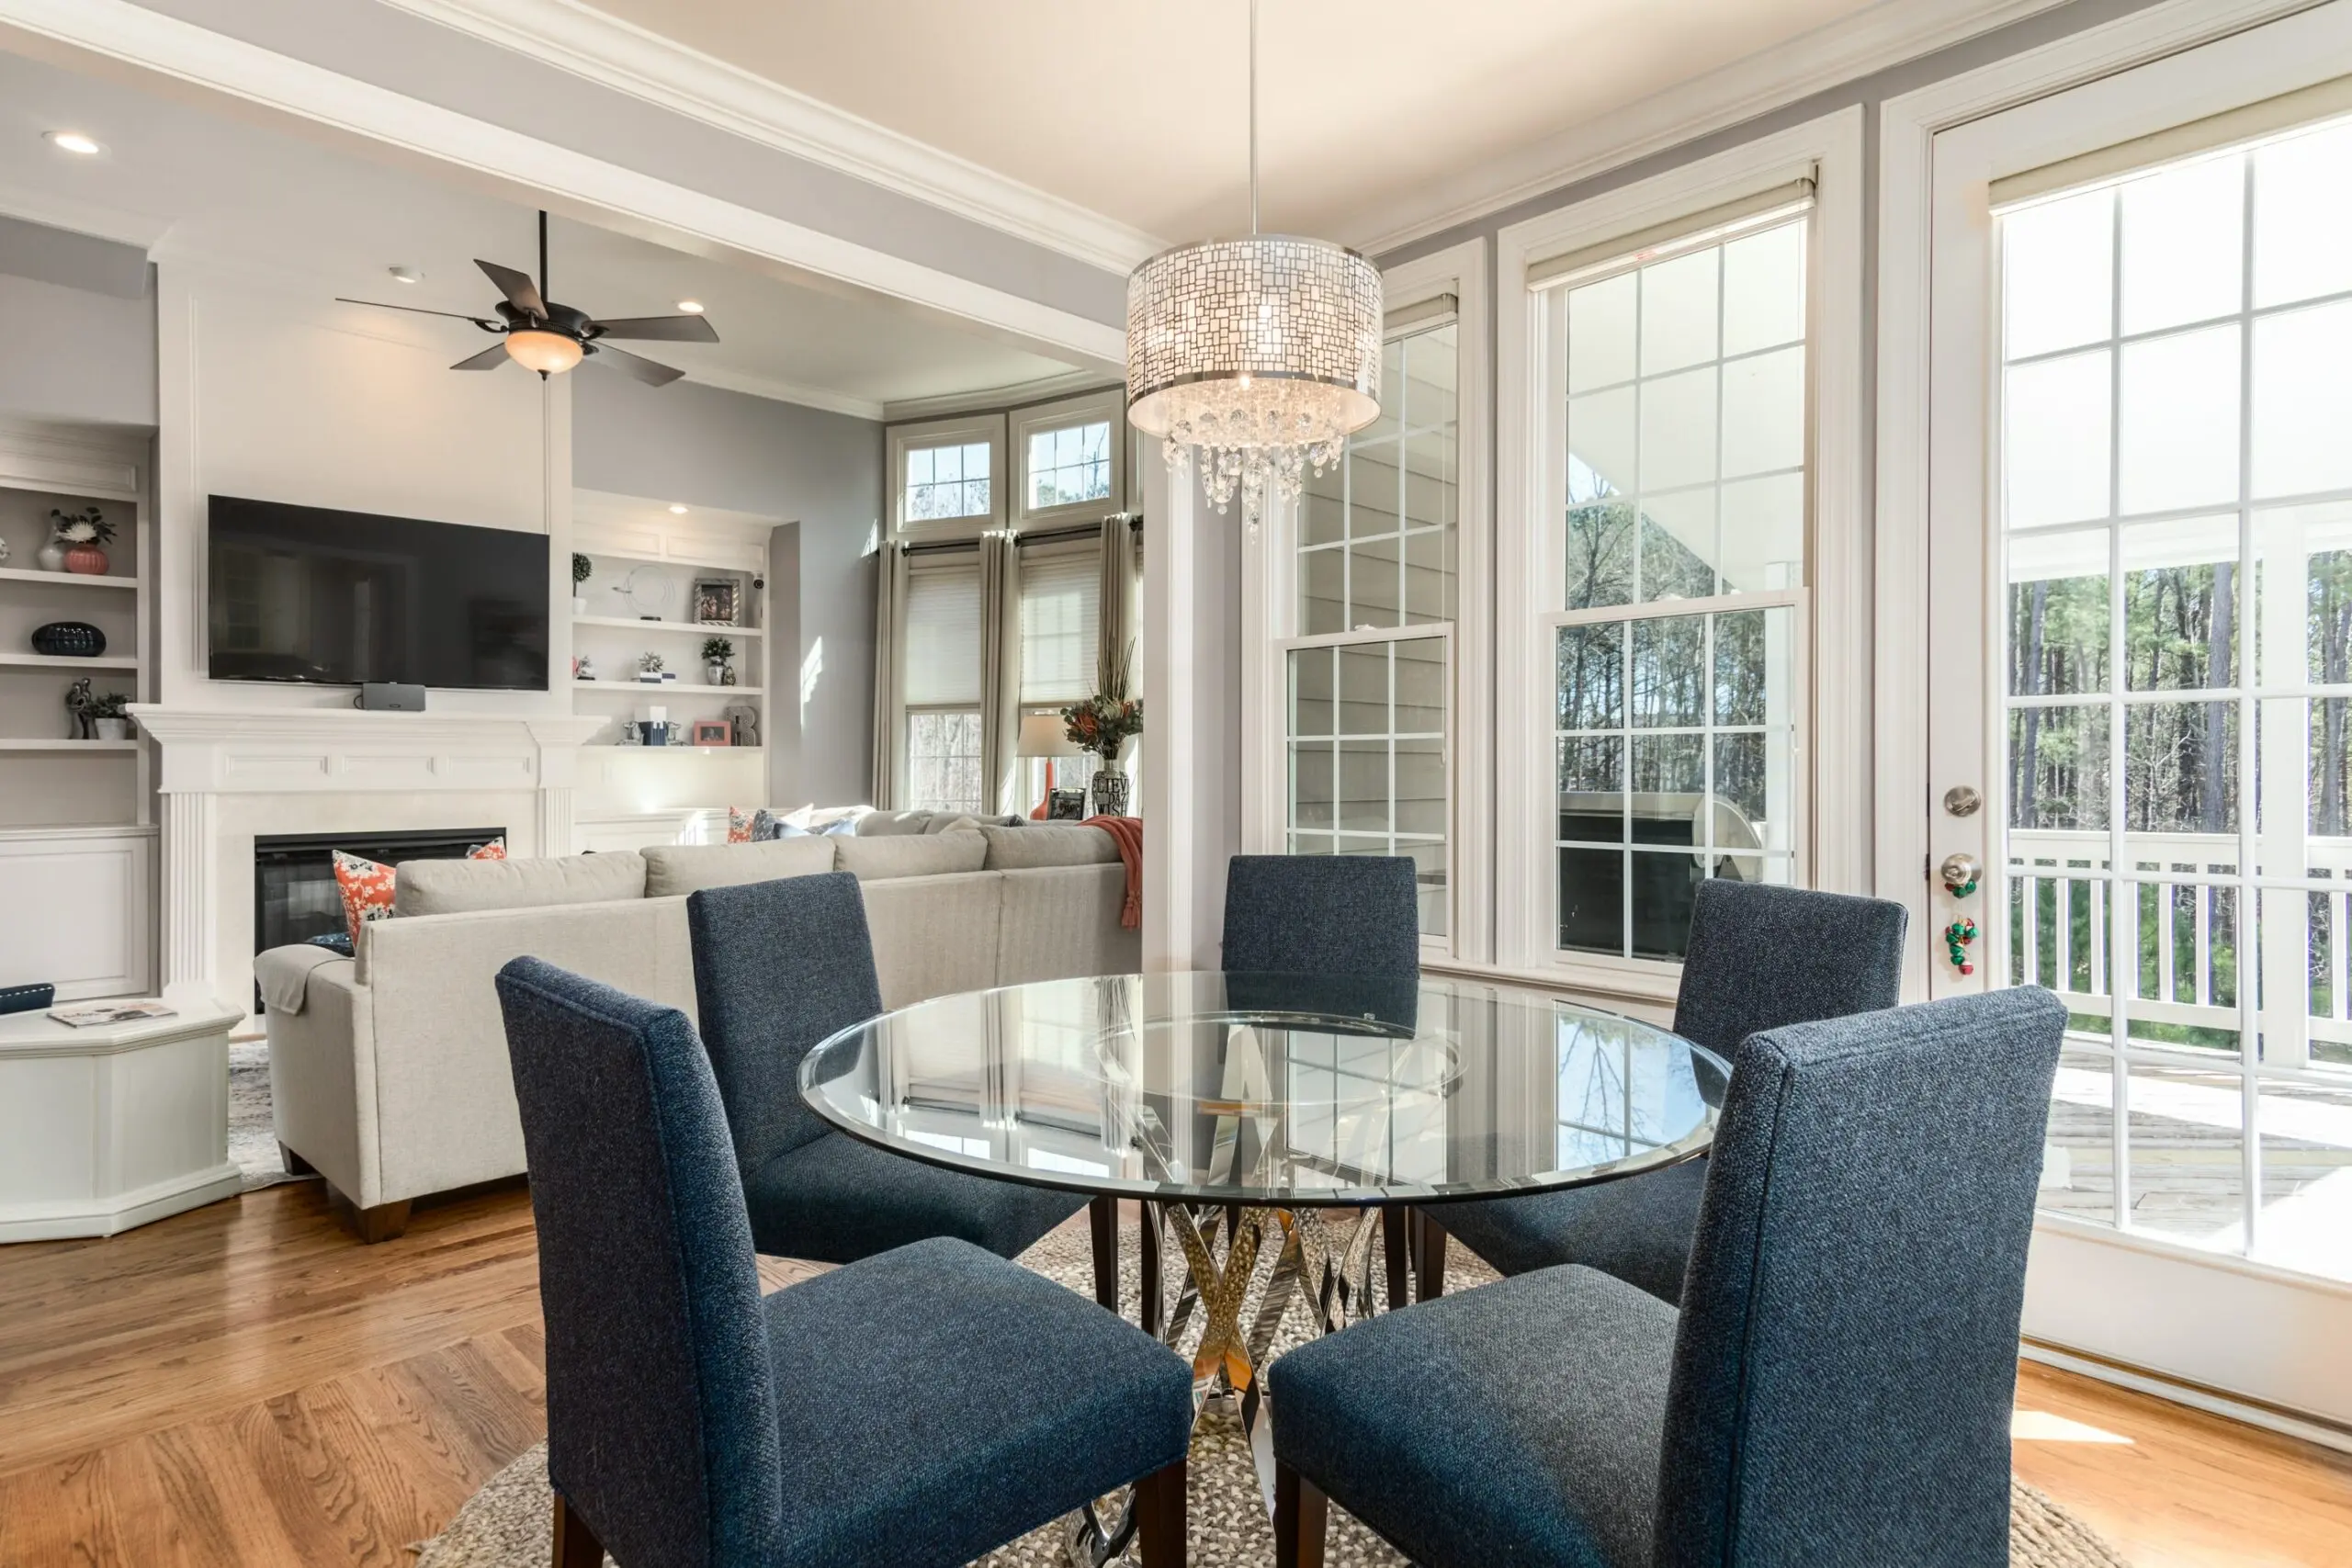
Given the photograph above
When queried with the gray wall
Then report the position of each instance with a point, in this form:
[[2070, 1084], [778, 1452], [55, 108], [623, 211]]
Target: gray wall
[[822, 471], [77, 328]]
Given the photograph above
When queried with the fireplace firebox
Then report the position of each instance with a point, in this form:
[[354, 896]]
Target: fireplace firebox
[[295, 895]]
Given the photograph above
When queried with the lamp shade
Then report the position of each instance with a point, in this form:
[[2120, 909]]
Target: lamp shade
[[1043, 735], [550, 354]]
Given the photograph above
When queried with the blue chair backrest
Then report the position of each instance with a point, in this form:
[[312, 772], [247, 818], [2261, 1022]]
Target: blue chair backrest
[[1847, 1355], [778, 967], [1322, 915], [1763, 956], [661, 1420]]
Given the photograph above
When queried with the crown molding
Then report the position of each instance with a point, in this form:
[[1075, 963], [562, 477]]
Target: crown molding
[[991, 398], [1886, 34], [629, 59], [781, 391]]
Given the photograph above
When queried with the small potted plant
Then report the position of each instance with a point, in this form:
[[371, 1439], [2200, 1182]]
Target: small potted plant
[[109, 716], [648, 668], [580, 570], [716, 652], [77, 542]]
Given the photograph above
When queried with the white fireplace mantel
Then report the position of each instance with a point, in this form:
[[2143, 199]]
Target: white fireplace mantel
[[356, 765]]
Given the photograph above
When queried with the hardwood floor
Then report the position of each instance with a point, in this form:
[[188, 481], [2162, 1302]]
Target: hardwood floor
[[245, 1387]]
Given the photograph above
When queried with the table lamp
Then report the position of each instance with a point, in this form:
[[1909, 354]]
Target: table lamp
[[1045, 735]]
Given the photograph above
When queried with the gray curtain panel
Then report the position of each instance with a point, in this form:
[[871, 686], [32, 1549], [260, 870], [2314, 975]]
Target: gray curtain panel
[[1117, 615], [1000, 668], [889, 604]]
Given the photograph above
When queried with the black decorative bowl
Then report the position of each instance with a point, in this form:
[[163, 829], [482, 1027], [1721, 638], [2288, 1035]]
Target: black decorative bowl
[[69, 640]]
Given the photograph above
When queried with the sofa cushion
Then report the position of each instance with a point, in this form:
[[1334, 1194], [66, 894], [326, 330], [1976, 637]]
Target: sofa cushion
[[893, 823], [673, 869], [456, 886], [1047, 843], [948, 821], [933, 854]]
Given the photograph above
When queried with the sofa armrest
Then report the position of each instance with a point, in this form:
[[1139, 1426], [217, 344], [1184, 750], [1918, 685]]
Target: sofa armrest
[[1062, 921], [322, 1082]]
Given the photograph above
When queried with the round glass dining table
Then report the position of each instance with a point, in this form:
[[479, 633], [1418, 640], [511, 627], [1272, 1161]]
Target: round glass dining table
[[1292, 1112]]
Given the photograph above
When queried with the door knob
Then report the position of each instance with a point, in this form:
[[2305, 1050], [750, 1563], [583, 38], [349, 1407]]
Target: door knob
[[1960, 873], [1963, 801]]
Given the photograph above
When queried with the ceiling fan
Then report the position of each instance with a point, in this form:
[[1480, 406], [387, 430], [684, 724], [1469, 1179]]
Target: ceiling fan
[[542, 335]]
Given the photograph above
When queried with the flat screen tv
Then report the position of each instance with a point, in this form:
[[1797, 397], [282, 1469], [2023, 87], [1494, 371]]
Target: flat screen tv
[[336, 598]]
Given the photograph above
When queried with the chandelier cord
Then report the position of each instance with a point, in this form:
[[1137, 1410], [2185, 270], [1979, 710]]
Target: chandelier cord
[[1253, 117]]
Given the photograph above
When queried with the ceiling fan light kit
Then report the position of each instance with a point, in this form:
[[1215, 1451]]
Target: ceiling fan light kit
[[550, 337], [1256, 358]]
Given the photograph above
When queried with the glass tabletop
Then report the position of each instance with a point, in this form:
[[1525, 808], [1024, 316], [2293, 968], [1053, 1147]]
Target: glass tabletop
[[1275, 1089]]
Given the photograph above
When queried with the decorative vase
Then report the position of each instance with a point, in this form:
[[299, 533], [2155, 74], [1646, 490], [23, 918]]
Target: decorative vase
[[50, 557], [579, 604], [1110, 791], [87, 559], [714, 674], [112, 728], [69, 640]]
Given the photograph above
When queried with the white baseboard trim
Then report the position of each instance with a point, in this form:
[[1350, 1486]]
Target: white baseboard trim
[[65, 1219], [2270, 1418]]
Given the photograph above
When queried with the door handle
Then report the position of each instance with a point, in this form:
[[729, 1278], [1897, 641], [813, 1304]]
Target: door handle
[[1960, 873]]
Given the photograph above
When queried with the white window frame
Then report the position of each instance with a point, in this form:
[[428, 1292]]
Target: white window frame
[[1270, 624], [903, 771], [1108, 405], [1834, 708], [962, 430]]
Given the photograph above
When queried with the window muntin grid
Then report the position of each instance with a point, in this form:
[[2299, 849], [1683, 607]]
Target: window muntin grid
[[946, 481], [1378, 531], [1069, 466], [2173, 398], [1366, 732]]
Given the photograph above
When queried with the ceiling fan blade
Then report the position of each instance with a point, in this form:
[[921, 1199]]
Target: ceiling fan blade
[[520, 291], [644, 369], [490, 358], [421, 311], [664, 328]]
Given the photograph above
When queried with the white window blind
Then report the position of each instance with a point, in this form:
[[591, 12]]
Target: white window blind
[[1059, 617], [942, 633]]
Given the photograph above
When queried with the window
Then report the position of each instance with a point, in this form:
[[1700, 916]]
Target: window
[[947, 481], [2177, 525], [942, 685], [1069, 466], [1073, 458], [1367, 683], [1060, 642], [947, 478], [1681, 374]]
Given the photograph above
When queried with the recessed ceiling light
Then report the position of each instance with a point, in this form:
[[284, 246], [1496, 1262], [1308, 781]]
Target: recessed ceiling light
[[74, 141], [676, 510], [691, 307], [405, 274]]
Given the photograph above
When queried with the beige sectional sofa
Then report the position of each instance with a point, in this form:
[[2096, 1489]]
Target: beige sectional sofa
[[389, 1072]]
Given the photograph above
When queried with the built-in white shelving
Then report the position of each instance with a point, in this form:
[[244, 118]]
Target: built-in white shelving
[[679, 750], [652, 688], [64, 661], [707, 628], [65, 578], [19, 744]]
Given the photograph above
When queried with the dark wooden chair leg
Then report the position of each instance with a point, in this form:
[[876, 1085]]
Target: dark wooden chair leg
[[1152, 1314], [1301, 1517], [1159, 1516], [1102, 1213], [1394, 1221], [576, 1545], [1432, 1236], [385, 1222], [295, 1164]]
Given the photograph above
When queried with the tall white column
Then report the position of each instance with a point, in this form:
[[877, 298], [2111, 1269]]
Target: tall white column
[[191, 826]]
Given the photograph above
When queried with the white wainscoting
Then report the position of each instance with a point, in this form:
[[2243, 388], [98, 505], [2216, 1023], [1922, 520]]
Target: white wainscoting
[[78, 909]]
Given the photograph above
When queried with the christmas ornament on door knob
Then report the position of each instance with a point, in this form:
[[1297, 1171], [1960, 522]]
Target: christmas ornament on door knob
[[1960, 873], [1957, 936]]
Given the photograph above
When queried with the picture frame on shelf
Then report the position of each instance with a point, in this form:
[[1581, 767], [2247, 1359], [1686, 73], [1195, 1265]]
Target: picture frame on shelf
[[713, 732], [718, 600], [1066, 806]]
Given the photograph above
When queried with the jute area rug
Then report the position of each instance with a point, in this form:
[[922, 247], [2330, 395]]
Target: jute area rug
[[506, 1524]]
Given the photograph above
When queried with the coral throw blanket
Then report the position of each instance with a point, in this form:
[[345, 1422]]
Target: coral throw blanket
[[1127, 833]]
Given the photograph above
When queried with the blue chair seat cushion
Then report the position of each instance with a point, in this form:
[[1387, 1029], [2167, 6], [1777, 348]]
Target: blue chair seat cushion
[[1518, 1423], [836, 1200], [934, 1402], [1638, 1229]]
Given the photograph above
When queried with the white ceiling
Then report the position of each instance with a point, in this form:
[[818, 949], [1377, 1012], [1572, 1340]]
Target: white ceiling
[[1139, 109], [325, 221]]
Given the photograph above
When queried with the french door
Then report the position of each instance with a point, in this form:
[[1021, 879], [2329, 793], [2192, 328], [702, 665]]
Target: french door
[[2140, 635]]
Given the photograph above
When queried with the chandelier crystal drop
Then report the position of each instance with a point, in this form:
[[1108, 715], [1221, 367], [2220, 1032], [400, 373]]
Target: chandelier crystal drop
[[1254, 359]]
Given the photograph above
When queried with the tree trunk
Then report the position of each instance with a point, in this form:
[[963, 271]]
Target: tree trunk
[[2029, 743]]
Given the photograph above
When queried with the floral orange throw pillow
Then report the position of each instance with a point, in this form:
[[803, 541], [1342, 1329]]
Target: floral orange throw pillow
[[367, 886]]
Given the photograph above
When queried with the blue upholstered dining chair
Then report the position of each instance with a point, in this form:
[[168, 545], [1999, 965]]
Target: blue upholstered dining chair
[[1835, 1389], [919, 1407], [1759, 957], [1322, 915], [778, 967]]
